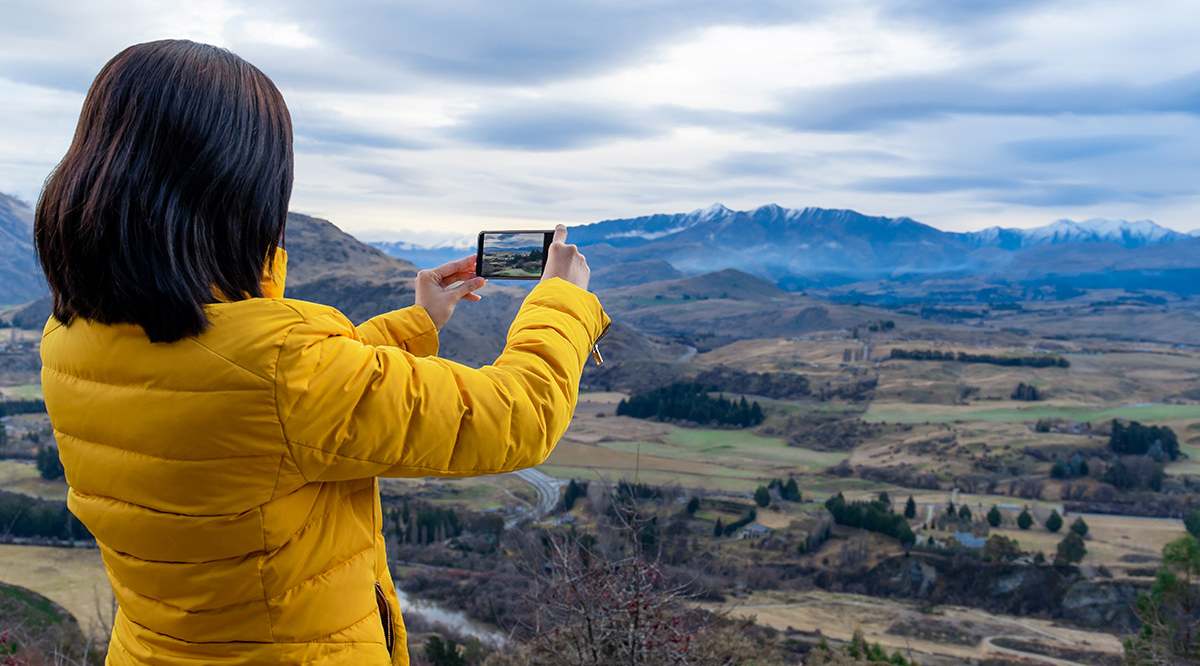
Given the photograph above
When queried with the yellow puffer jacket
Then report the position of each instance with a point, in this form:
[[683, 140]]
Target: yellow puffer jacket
[[230, 478]]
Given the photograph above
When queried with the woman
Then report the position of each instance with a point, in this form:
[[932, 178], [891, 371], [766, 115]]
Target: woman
[[222, 442]]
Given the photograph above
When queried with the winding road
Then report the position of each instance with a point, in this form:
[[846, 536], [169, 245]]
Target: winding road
[[546, 487]]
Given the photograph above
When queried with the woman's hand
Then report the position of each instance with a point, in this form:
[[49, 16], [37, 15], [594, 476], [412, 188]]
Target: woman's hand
[[566, 261], [438, 297]]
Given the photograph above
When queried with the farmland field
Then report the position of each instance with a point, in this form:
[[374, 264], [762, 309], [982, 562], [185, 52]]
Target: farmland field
[[73, 578], [919, 413], [949, 632], [21, 476]]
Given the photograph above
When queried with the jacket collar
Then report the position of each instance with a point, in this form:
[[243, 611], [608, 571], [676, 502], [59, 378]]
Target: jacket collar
[[275, 275]]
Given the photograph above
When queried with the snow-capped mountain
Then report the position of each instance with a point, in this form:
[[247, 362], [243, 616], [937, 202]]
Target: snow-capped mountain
[[1139, 233], [427, 256], [802, 246]]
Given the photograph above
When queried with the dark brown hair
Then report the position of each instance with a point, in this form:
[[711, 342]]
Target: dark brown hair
[[174, 191]]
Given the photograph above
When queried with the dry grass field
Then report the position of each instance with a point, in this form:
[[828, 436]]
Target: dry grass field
[[74, 578], [484, 493], [949, 631], [21, 476], [602, 445]]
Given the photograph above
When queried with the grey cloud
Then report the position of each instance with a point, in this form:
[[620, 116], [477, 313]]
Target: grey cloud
[[874, 104], [1031, 191], [1052, 149], [524, 41], [551, 126], [755, 164]]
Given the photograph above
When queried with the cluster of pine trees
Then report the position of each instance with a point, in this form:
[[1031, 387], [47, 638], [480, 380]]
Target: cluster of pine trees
[[30, 517], [1026, 392], [1040, 361], [686, 401], [12, 407], [424, 524], [1136, 439], [720, 529], [1075, 466], [874, 516], [575, 490]]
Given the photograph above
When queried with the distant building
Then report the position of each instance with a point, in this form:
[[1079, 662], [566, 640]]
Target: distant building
[[968, 540], [754, 531]]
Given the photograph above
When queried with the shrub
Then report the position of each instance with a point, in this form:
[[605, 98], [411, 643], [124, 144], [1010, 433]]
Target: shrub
[[1071, 549], [1192, 522], [994, 517], [1055, 522], [910, 508], [762, 496], [1079, 527], [48, 463], [1024, 521]]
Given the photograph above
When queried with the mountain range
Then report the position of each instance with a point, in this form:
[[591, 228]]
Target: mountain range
[[817, 247], [796, 249], [20, 277]]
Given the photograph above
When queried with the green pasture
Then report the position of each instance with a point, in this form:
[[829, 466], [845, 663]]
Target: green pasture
[[1148, 413]]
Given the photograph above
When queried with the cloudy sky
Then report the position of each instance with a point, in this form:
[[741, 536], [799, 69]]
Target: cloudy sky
[[420, 119]]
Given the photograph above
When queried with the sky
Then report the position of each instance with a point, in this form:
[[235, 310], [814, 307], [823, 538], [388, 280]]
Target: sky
[[424, 121]]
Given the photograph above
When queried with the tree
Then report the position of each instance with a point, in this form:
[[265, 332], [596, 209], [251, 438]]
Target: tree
[[1071, 549], [1024, 521], [1079, 527], [1055, 522], [993, 516], [885, 500], [718, 529], [48, 463], [443, 652], [1170, 612], [693, 505], [1192, 522], [910, 508], [762, 496], [964, 513], [999, 548], [1138, 440], [791, 491]]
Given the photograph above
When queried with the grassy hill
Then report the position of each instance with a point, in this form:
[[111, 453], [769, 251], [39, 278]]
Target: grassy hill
[[40, 631]]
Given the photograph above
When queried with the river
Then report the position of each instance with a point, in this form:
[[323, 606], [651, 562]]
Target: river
[[435, 613]]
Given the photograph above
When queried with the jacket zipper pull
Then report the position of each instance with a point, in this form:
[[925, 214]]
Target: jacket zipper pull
[[597, 357]]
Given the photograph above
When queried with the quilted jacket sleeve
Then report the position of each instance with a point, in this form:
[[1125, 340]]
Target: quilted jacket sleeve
[[410, 329], [350, 409]]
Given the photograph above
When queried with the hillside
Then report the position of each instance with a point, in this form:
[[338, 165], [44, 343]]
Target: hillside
[[806, 248], [20, 278]]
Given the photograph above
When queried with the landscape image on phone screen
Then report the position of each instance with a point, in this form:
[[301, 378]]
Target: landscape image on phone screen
[[513, 255]]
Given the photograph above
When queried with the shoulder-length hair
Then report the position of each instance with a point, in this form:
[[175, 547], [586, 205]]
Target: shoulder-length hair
[[173, 194]]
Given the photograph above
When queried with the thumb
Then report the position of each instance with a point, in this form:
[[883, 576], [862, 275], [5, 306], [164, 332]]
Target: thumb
[[560, 234]]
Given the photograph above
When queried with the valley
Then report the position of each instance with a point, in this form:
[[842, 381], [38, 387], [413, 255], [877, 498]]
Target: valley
[[997, 398]]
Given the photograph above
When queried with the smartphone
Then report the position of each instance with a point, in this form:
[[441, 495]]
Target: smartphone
[[512, 255]]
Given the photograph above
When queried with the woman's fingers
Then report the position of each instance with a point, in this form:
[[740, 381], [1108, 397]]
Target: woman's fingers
[[468, 288], [560, 233], [455, 271]]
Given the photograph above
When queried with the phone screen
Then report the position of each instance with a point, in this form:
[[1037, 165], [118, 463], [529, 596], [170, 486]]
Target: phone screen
[[512, 255]]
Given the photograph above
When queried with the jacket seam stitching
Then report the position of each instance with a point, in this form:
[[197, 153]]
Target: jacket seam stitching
[[140, 387], [287, 451], [228, 360], [417, 468]]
